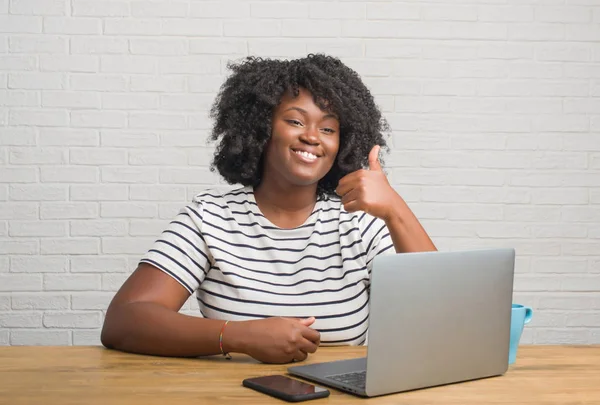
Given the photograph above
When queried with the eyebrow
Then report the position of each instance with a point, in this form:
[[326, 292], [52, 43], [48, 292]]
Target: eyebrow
[[303, 111]]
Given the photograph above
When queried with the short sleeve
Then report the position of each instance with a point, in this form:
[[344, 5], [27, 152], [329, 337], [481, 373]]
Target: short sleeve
[[181, 250], [375, 237]]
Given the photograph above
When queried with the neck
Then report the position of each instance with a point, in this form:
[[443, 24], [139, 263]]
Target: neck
[[285, 198]]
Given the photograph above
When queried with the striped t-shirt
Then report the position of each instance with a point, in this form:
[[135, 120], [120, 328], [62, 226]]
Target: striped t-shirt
[[244, 267]]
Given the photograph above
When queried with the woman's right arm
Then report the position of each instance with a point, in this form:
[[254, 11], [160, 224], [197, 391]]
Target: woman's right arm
[[144, 317]]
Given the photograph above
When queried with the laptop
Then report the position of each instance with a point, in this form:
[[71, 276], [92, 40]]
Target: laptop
[[435, 318]]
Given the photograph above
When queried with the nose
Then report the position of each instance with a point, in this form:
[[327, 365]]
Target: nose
[[310, 136]]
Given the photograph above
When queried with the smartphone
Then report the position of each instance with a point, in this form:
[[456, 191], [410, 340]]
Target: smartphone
[[288, 389]]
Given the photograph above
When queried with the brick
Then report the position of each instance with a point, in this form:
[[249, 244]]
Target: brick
[[36, 7], [252, 28], [3, 228], [583, 319], [393, 86], [162, 83], [528, 213], [510, 14], [127, 64], [583, 32], [168, 47], [44, 118], [186, 102], [97, 82], [69, 63], [157, 157], [310, 28], [71, 282], [536, 32], [559, 231], [36, 156], [192, 27], [69, 174], [98, 45], [199, 121], [581, 214], [38, 44], [194, 65], [566, 179], [558, 196], [560, 52], [39, 301], [505, 51], [486, 212], [87, 337], [186, 176], [548, 319], [385, 48], [530, 283], [97, 156], [17, 175], [70, 99], [112, 282], [98, 264], [5, 302], [423, 30], [582, 248], [73, 246], [559, 265], [20, 282], [19, 98], [4, 194], [169, 210], [18, 62], [18, 211], [16, 246], [563, 88], [563, 14], [37, 229], [98, 119], [145, 9], [128, 210], [38, 192], [340, 48], [217, 46], [218, 10], [183, 140], [560, 160], [72, 26], [20, 320], [566, 301], [100, 8], [147, 227], [437, 13], [37, 81], [581, 142], [393, 11], [75, 210], [538, 70], [17, 137], [39, 337], [13, 24], [148, 120], [4, 264], [136, 175], [95, 301], [98, 228], [581, 71], [68, 137], [127, 139], [156, 193], [101, 192], [277, 10], [503, 230], [72, 319], [38, 264]]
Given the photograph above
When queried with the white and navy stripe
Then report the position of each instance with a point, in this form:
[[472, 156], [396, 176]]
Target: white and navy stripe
[[243, 267]]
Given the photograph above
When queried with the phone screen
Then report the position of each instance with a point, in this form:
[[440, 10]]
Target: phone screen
[[288, 385]]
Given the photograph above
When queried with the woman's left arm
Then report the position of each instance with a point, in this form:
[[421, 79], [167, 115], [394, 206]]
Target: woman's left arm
[[370, 191]]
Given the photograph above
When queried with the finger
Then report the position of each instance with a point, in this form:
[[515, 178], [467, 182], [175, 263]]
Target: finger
[[311, 334], [307, 346], [300, 356], [353, 206], [350, 196], [374, 158]]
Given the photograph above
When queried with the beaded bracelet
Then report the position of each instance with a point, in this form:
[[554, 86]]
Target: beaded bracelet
[[227, 355]]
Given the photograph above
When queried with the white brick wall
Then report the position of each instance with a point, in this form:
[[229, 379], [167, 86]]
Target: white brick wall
[[494, 106]]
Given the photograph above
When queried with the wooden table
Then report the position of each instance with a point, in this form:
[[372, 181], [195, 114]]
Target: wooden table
[[94, 375]]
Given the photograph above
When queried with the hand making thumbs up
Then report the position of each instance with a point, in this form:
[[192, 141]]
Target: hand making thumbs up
[[369, 190]]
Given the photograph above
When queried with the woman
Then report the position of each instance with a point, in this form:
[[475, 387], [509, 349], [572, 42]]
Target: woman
[[281, 264]]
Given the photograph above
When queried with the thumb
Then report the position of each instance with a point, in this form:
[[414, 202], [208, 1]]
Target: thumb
[[307, 321], [374, 158]]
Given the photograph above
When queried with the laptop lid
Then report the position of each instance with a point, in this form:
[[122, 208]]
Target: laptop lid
[[438, 318]]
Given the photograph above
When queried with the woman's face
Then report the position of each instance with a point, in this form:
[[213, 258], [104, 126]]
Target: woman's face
[[304, 142]]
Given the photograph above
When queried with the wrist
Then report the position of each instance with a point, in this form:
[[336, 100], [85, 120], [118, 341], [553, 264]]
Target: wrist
[[234, 337]]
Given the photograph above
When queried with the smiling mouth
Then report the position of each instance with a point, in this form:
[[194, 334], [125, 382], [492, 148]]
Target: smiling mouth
[[306, 155]]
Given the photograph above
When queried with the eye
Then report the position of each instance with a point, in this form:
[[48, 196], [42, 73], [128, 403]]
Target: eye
[[294, 122], [329, 130]]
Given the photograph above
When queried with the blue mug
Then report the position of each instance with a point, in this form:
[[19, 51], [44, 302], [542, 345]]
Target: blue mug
[[521, 315]]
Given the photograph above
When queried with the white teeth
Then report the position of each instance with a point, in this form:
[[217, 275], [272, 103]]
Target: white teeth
[[306, 155]]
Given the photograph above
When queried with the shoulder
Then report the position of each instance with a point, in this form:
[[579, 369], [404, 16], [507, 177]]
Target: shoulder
[[221, 198]]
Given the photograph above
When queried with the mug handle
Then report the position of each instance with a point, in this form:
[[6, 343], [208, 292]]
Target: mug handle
[[528, 314]]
